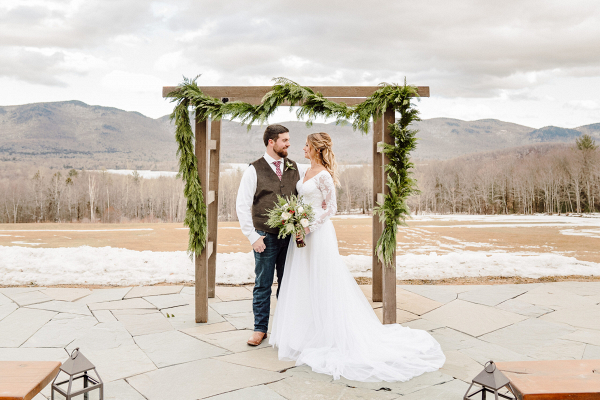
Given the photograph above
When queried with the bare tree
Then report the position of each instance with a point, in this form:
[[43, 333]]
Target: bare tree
[[92, 190]]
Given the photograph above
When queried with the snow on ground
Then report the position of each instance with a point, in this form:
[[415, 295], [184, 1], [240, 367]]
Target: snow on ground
[[115, 266], [585, 219], [595, 233], [146, 174]]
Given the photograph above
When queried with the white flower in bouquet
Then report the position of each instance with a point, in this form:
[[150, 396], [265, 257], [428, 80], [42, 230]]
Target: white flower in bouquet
[[304, 222], [300, 210], [289, 228], [286, 205], [285, 216]]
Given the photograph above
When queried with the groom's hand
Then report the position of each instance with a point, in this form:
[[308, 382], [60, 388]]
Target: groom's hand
[[259, 245]]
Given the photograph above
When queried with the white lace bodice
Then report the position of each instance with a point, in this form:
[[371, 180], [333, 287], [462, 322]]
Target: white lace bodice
[[318, 188]]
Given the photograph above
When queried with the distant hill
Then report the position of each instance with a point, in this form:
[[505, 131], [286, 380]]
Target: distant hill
[[592, 130], [74, 134]]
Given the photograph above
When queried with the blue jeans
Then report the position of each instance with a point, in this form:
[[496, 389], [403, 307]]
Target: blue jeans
[[265, 264]]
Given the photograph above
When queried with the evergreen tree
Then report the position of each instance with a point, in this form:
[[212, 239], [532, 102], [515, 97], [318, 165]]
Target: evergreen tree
[[585, 142]]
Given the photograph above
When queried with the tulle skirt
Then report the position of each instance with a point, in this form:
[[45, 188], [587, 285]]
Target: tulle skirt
[[323, 320]]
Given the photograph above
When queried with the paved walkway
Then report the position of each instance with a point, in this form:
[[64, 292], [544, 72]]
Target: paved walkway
[[146, 345]]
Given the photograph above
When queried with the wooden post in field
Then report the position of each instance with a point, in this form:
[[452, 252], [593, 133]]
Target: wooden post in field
[[201, 260], [389, 271], [377, 191], [213, 208]]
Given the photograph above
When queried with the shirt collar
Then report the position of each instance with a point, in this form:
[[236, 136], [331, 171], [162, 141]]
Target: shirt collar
[[270, 159]]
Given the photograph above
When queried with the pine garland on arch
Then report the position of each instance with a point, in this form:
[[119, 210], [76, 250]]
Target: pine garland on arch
[[394, 209]]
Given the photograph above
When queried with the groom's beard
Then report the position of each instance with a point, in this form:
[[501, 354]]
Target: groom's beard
[[281, 152]]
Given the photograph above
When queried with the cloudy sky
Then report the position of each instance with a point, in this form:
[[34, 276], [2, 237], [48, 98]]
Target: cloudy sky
[[535, 63]]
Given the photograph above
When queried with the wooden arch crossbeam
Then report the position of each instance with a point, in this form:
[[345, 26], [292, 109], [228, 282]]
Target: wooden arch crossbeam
[[208, 146]]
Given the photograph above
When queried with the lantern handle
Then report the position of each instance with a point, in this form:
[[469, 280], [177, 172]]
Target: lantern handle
[[75, 353], [491, 365]]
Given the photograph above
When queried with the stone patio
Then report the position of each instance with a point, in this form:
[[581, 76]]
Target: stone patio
[[146, 345]]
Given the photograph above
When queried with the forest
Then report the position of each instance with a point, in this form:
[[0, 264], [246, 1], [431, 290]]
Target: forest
[[565, 179]]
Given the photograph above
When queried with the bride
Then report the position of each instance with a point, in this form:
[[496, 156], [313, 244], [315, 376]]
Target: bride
[[322, 318]]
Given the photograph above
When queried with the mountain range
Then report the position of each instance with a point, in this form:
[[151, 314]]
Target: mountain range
[[72, 134]]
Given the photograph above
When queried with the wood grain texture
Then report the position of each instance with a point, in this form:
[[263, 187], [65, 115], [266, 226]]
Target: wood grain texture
[[213, 208], [22, 380], [556, 379], [388, 272], [377, 226], [201, 260], [254, 94]]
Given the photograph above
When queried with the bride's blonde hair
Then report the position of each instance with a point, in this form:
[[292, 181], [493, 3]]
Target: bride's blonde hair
[[322, 144]]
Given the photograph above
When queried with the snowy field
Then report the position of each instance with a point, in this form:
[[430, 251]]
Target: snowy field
[[114, 266], [433, 247]]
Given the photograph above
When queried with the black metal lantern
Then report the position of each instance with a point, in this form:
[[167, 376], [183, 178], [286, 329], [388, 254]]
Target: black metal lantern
[[80, 382], [491, 380]]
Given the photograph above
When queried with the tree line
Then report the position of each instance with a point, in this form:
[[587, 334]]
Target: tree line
[[99, 196], [563, 180], [89, 196]]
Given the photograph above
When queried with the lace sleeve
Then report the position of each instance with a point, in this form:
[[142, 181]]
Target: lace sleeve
[[325, 184]]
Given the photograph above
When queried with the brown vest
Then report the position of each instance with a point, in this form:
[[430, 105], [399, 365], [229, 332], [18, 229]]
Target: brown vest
[[268, 186]]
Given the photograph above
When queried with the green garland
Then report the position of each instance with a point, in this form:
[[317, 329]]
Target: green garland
[[394, 209]]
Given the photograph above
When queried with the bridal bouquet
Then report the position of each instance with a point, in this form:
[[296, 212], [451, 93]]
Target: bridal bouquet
[[291, 215]]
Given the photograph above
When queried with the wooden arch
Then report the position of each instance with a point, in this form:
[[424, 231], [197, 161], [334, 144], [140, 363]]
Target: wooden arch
[[208, 146]]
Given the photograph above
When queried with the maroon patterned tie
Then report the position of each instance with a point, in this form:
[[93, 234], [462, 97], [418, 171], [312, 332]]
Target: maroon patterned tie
[[278, 168]]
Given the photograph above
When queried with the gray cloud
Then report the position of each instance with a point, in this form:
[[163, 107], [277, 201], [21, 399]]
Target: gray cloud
[[33, 67], [87, 26], [468, 48], [464, 48]]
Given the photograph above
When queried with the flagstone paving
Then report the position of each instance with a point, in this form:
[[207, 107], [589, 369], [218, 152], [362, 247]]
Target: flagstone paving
[[27, 298], [66, 294], [145, 291], [63, 307], [4, 300], [478, 319], [167, 301], [146, 344]]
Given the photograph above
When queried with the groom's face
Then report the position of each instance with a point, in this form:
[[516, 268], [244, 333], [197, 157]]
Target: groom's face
[[281, 145]]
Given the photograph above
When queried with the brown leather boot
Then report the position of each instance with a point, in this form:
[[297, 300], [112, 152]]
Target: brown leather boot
[[257, 338]]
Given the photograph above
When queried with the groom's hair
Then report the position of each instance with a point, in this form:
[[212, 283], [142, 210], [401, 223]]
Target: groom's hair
[[273, 132]]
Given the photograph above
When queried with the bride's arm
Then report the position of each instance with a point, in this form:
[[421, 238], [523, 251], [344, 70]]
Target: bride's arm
[[327, 187]]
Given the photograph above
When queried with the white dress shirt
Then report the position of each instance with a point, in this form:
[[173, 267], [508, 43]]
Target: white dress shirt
[[246, 192]]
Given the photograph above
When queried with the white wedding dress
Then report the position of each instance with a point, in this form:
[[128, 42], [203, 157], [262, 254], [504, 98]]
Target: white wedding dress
[[323, 319]]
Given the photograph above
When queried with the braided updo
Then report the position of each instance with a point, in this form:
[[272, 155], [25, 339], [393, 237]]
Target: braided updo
[[322, 144]]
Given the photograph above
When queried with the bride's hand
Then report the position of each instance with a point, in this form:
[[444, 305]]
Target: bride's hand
[[306, 230]]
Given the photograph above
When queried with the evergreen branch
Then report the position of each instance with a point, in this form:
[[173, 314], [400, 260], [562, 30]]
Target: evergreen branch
[[195, 216]]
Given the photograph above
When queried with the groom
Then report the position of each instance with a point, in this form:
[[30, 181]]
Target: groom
[[271, 175]]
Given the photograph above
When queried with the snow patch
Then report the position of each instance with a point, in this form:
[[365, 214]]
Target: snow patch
[[115, 266], [594, 233]]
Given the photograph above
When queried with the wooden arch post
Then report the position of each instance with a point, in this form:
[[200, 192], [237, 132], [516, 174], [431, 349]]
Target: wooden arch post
[[208, 147]]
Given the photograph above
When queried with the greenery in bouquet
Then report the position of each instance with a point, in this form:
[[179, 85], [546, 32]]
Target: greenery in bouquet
[[290, 215]]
